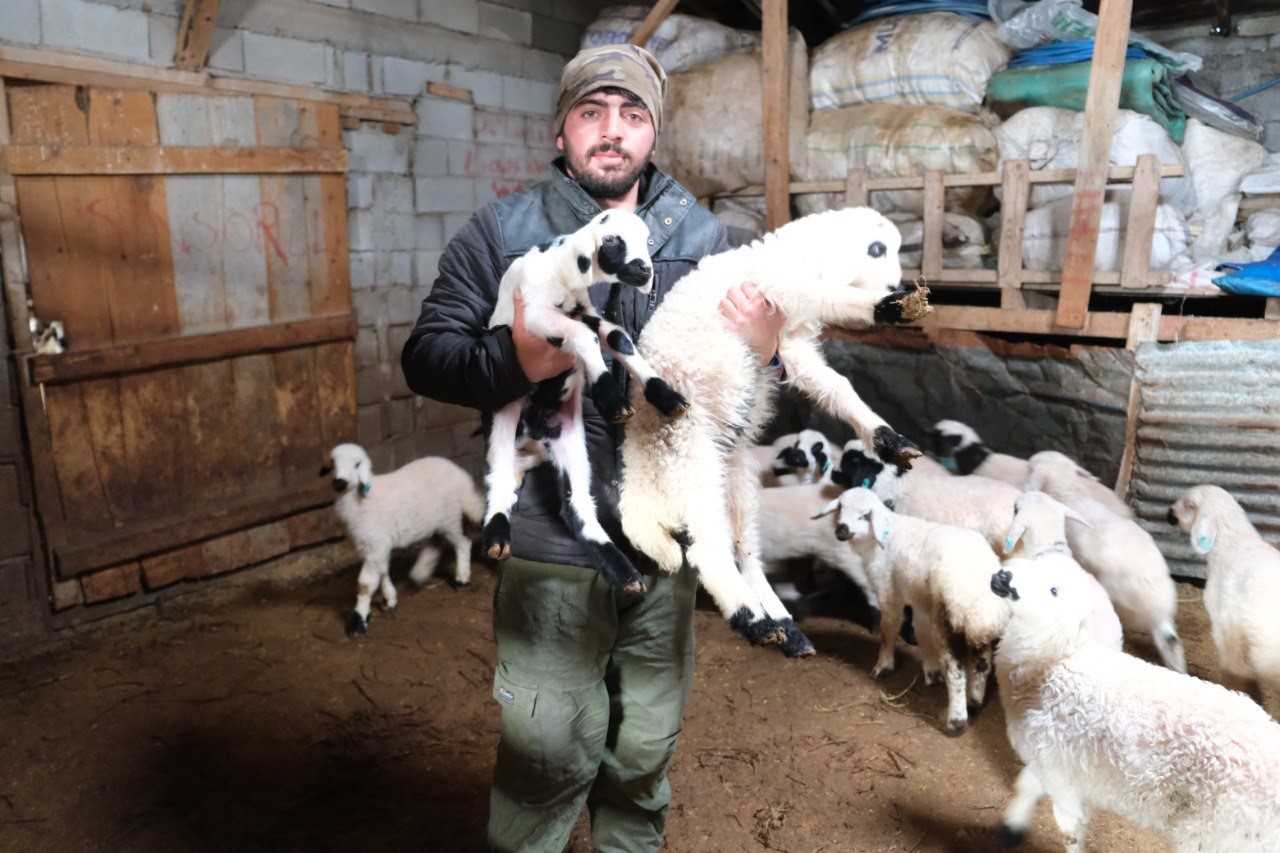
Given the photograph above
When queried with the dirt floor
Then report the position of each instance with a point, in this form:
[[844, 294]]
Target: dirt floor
[[254, 723]]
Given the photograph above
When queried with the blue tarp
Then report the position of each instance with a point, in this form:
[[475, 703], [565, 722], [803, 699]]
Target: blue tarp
[[1260, 278]]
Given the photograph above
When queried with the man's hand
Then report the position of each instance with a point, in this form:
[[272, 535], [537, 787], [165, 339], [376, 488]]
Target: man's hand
[[745, 312], [538, 359]]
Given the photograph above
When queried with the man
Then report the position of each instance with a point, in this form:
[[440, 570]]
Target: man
[[592, 682]]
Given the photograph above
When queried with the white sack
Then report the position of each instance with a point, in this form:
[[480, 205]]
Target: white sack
[[713, 122], [964, 241], [1044, 242], [1050, 138], [1218, 162], [896, 141], [932, 58], [680, 42]]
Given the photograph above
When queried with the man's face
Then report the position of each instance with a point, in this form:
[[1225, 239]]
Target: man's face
[[607, 142]]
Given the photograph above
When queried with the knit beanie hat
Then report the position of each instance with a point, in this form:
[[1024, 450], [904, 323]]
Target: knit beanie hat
[[625, 66]]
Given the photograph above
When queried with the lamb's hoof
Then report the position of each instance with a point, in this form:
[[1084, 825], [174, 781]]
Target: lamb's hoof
[[615, 568], [664, 398], [893, 448], [796, 644], [622, 415], [609, 400], [931, 676], [357, 625], [760, 632], [881, 673], [902, 306], [461, 583], [955, 728], [1011, 836], [496, 537], [388, 608]]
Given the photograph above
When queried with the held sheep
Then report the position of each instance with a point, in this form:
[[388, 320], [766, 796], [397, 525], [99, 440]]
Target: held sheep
[[553, 281], [423, 499], [1100, 729], [1119, 553], [1039, 534], [977, 503], [960, 447], [689, 488], [943, 573], [1242, 588]]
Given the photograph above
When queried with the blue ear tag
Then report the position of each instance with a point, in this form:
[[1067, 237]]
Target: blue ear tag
[[826, 466], [364, 489], [1008, 544], [884, 534], [1204, 543], [866, 484], [948, 462]]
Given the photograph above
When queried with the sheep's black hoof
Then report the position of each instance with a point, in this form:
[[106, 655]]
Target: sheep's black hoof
[[902, 306], [760, 632], [357, 625], [664, 398], [615, 568], [796, 645], [610, 402], [893, 448], [496, 537], [1011, 836], [955, 728]]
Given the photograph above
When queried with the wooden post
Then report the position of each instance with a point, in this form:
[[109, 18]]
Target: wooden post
[[776, 88], [1015, 182], [652, 21], [855, 188], [1144, 325], [934, 223], [1141, 227], [1110, 43], [194, 34]]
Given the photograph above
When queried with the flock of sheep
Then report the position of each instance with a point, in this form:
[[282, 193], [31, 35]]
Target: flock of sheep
[[1028, 568]]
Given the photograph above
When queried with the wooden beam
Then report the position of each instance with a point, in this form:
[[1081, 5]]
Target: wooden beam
[[75, 365], [932, 226], [195, 32], [1101, 101], [777, 112], [1141, 226], [170, 160], [1144, 326], [652, 21], [855, 188], [1098, 324]]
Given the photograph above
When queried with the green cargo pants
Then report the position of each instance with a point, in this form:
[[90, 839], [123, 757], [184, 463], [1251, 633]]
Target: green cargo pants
[[592, 685]]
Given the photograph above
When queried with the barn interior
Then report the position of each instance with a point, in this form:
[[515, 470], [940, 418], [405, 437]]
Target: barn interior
[[219, 219]]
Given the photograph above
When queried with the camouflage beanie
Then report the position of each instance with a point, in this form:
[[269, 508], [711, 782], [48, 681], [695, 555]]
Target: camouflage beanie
[[625, 66]]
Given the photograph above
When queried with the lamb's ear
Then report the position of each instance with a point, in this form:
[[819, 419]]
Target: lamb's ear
[[1016, 530], [1070, 513], [364, 477], [880, 523], [1034, 483], [828, 509], [1204, 532], [326, 470]]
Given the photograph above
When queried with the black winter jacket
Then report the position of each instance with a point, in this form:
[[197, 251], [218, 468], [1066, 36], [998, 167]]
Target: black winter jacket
[[452, 357]]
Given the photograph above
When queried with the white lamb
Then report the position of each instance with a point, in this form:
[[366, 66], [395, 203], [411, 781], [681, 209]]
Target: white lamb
[[944, 574], [1100, 729], [553, 281], [1242, 589], [789, 531], [959, 447], [689, 489], [423, 499], [977, 503], [1119, 553], [1039, 533]]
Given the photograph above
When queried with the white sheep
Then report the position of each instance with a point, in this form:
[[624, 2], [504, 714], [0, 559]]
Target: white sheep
[[1242, 589], [423, 499], [1119, 553], [553, 281], [959, 447], [977, 503], [944, 573], [1100, 729], [1038, 536], [689, 489], [796, 459]]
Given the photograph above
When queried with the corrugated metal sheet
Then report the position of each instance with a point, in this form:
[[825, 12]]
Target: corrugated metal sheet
[[1210, 413]]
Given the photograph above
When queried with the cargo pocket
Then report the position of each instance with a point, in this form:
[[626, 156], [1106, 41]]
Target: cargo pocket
[[512, 694]]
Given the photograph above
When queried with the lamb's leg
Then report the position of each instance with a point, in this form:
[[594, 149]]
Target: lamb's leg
[[743, 485], [579, 509], [811, 374], [1072, 817], [927, 641], [977, 673], [462, 554], [372, 572], [574, 336], [951, 648], [890, 623], [660, 395], [1027, 791], [501, 481], [425, 566]]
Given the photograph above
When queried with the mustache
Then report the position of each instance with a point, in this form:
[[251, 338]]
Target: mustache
[[611, 147]]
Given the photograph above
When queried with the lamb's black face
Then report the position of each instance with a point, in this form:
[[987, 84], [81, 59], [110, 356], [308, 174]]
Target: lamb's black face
[[614, 261], [943, 443], [856, 469]]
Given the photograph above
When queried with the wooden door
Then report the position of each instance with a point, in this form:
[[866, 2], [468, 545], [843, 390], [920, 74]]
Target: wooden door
[[195, 249]]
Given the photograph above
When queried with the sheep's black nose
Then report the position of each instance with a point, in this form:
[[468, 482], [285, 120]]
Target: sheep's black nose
[[339, 484], [1001, 586], [794, 457], [843, 533], [636, 273], [1171, 518]]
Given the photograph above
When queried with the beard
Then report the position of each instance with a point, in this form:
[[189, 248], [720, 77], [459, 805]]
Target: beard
[[609, 183]]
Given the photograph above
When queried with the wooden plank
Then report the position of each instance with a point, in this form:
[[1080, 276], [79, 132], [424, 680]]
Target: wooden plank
[[1143, 326], [335, 374], [443, 90], [302, 447], [154, 420], [84, 499], [1015, 191], [1101, 101], [776, 90], [246, 240], [1099, 324], [284, 212], [652, 21], [194, 34], [91, 552], [326, 205], [164, 160], [933, 220], [1141, 226], [105, 436], [855, 188], [256, 401], [216, 433], [188, 349]]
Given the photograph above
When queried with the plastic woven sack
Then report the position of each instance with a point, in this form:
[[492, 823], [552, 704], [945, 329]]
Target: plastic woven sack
[[680, 42]]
